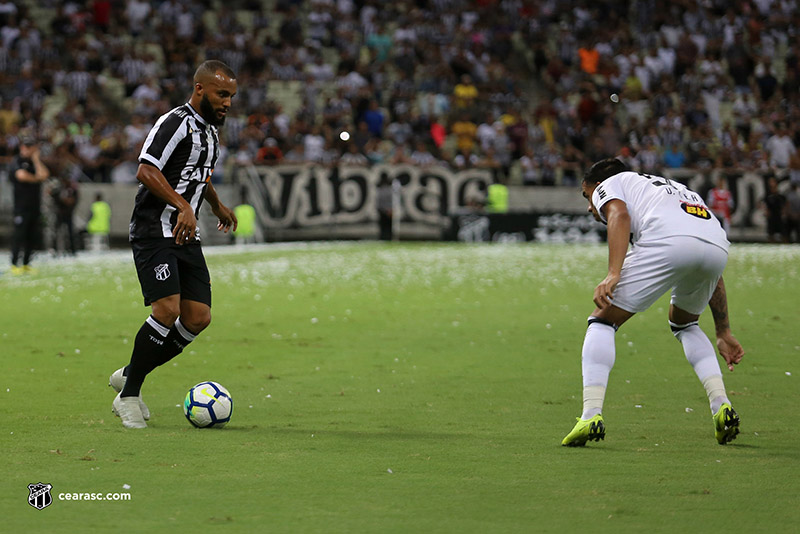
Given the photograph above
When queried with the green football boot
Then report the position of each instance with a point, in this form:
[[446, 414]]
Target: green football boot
[[591, 430], [726, 424]]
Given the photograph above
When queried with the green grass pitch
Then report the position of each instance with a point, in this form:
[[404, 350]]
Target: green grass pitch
[[396, 388]]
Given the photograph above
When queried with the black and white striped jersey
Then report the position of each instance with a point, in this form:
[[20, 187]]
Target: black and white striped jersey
[[185, 148]]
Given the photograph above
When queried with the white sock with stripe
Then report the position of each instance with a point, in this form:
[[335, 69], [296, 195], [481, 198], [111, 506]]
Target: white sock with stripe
[[701, 355], [597, 360]]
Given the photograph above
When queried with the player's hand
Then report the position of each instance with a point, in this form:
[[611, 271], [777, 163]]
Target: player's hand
[[185, 226], [604, 291], [730, 349], [227, 219]]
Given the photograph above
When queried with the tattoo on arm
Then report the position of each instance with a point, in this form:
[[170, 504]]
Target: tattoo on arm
[[719, 307]]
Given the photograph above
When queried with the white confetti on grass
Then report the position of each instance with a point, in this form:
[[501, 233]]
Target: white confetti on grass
[[271, 265]]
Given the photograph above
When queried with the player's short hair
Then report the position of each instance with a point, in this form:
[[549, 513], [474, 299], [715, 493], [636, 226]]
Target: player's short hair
[[210, 68], [605, 168]]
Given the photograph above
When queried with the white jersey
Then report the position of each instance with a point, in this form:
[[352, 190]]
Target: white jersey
[[660, 208]]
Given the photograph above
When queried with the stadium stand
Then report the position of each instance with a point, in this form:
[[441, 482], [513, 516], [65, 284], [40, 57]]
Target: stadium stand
[[711, 84]]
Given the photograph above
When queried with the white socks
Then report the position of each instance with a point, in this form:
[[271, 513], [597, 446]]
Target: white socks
[[700, 353], [599, 352], [597, 359]]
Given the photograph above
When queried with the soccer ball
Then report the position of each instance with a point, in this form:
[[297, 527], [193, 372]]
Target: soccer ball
[[208, 404]]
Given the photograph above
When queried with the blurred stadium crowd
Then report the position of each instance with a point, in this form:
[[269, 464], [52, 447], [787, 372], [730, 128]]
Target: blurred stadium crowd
[[534, 89]]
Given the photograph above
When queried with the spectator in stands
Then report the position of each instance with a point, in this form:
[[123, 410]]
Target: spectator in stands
[[774, 205], [374, 119], [269, 154], [589, 57], [319, 70], [400, 155], [793, 213], [65, 197], [465, 93], [314, 144], [330, 154], [610, 133], [489, 161], [780, 148], [486, 133], [10, 118], [137, 12], [421, 156], [380, 42], [8, 10], [794, 168], [720, 200], [361, 136], [465, 132], [649, 160], [353, 157], [765, 78], [465, 159], [337, 110], [296, 154], [373, 152], [438, 131], [674, 158], [549, 163], [400, 131], [572, 165], [530, 168]]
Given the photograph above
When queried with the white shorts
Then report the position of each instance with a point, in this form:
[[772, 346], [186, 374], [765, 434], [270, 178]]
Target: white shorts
[[688, 266]]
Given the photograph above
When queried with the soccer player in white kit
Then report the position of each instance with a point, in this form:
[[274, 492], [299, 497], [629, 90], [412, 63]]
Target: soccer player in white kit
[[678, 246]]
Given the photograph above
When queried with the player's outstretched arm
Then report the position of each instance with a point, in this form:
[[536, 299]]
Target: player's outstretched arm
[[154, 180], [729, 347], [227, 219]]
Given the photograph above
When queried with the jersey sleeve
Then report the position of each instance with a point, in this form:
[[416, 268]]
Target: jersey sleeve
[[605, 192], [162, 140]]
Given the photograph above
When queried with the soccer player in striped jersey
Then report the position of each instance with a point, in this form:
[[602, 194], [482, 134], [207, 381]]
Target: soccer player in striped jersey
[[677, 246], [175, 167]]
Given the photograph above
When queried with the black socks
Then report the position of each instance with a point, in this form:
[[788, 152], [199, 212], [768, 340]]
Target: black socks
[[155, 345]]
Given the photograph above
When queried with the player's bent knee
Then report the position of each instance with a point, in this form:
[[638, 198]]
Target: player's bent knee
[[166, 315], [197, 322]]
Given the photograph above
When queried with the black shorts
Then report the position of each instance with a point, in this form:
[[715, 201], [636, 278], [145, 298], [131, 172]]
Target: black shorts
[[166, 268]]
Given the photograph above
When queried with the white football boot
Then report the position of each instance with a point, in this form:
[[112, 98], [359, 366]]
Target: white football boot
[[127, 409], [117, 381]]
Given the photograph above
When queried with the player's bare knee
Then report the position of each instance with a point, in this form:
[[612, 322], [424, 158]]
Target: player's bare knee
[[166, 314], [196, 323]]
